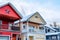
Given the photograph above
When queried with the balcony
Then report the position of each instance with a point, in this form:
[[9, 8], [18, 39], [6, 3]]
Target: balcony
[[9, 28], [30, 30], [36, 31], [15, 28]]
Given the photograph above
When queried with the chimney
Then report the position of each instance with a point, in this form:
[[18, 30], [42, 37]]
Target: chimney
[[54, 23]]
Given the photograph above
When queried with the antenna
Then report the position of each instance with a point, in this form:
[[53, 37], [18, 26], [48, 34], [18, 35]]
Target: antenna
[[54, 24]]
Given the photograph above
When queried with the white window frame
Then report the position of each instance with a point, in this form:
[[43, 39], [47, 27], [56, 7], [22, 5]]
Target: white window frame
[[6, 36]]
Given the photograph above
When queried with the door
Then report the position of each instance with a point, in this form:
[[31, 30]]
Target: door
[[4, 38], [30, 37], [14, 37]]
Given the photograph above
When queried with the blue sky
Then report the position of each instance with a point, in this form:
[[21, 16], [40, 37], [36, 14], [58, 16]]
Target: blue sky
[[49, 9]]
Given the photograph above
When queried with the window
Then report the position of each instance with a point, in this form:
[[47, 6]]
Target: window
[[48, 30], [26, 38], [24, 26], [36, 16], [0, 22], [41, 28], [47, 37], [53, 37], [31, 28]]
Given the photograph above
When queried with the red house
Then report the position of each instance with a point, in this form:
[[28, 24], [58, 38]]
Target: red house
[[8, 15]]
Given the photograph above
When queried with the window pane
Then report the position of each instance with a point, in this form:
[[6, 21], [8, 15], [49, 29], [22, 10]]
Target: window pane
[[0, 22]]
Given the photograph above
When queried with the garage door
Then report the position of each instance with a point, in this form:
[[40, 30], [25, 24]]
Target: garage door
[[4, 38]]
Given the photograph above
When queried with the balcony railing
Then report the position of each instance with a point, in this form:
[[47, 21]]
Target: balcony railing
[[33, 31], [11, 28], [3, 26], [36, 31], [15, 28]]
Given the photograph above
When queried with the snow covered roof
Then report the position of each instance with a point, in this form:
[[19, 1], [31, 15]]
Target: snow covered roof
[[29, 16], [6, 3], [51, 28], [55, 33]]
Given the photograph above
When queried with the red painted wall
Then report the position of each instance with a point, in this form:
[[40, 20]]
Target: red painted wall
[[6, 33], [12, 13], [5, 24]]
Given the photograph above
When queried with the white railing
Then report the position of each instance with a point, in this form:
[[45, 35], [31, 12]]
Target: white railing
[[33, 31], [24, 30]]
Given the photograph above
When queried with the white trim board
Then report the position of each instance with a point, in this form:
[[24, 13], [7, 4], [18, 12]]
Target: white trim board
[[6, 36]]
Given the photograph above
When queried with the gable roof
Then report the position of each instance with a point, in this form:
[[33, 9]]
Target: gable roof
[[10, 4], [50, 28], [29, 16]]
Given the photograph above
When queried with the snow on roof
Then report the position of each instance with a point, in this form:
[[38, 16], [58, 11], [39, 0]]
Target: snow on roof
[[6, 3], [29, 16], [2, 4], [26, 17], [51, 28], [55, 33]]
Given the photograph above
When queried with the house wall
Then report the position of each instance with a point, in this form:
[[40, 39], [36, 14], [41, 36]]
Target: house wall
[[36, 20], [31, 24], [22, 37], [34, 36], [39, 37], [12, 13]]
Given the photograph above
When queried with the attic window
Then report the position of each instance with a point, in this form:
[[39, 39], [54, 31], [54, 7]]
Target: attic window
[[36, 16], [7, 11], [48, 30]]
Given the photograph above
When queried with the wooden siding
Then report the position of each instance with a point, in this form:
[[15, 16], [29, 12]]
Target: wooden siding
[[36, 19]]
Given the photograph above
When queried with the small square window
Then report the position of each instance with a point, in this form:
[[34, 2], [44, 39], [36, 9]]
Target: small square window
[[48, 30], [24, 26], [36, 16]]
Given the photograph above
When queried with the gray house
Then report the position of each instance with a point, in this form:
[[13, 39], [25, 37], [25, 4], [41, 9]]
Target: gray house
[[51, 33]]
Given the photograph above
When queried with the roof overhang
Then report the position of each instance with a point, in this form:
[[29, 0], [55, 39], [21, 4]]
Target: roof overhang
[[13, 7]]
